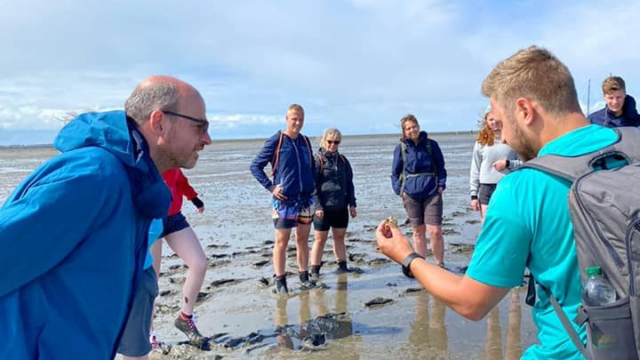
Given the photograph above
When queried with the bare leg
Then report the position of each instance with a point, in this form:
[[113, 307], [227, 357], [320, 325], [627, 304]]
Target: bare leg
[[280, 250], [320, 239], [437, 243], [302, 246], [186, 245], [483, 212], [420, 240], [339, 249]]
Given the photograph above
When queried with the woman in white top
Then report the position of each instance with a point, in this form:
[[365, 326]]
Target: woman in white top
[[491, 160]]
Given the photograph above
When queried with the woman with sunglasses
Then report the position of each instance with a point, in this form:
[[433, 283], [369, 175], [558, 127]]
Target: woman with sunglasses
[[334, 201]]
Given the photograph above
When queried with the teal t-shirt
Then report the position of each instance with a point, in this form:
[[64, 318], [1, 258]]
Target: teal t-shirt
[[528, 225]]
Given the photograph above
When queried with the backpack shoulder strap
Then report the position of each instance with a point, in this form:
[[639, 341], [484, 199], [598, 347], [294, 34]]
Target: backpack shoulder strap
[[566, 324], [403, 155], [320, 163], [626, 146], [306, 141], [276, 155]]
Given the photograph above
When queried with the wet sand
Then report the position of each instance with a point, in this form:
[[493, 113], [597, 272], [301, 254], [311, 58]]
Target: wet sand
[[243, 318]]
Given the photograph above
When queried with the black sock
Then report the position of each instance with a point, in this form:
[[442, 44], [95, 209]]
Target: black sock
[[304, 276], [342, 265], [315, 269]]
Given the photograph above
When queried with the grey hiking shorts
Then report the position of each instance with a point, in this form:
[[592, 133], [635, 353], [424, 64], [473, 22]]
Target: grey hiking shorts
[[135, 338], [427, 211]]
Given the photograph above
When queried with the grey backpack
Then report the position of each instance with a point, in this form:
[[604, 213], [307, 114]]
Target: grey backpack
[[604, 202]]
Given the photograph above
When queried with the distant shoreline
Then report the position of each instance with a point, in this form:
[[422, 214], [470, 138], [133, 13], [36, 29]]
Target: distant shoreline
[[44, 146]]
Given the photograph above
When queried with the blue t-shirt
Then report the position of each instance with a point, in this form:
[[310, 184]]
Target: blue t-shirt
[[528, 225], [155, 229]]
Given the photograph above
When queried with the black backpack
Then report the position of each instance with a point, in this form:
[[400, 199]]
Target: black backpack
[[605, 213]]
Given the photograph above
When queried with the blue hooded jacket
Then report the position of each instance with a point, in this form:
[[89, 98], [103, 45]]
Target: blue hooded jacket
[[73, 236], [606, 117], [295, 169], [419, 161]]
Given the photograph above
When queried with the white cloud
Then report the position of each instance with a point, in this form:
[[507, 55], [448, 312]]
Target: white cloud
[[361, 64]]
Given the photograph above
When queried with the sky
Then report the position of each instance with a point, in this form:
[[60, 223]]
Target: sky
[[358, 65]]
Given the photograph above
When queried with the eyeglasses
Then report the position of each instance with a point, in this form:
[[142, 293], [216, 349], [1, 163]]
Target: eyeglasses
[[331, 142], [204, 123], [199, 121]]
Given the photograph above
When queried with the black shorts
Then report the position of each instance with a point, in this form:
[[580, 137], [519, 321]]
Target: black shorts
[[173, 223], [338, 219], [486, 190]]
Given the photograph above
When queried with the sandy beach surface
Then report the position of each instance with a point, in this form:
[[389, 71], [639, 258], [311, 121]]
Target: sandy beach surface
[[243, 318]]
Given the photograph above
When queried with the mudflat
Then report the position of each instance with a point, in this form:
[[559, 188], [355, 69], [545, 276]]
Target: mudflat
[[378, 314]]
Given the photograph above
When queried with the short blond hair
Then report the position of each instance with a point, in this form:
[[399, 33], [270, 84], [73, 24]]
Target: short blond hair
[[332, 133], [297, 108], [536, 74], [613, 83]]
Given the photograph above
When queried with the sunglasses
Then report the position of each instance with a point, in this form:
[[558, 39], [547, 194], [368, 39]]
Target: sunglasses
[[331, 142], [204, 123]]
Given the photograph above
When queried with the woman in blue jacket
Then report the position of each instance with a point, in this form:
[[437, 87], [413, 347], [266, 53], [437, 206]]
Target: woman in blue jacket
[[418, 175]]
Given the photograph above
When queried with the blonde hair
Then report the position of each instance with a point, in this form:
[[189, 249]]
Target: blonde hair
[[486, 136], [332, 133], [534, 73], [613, 83], [407, 118], [297, 108]]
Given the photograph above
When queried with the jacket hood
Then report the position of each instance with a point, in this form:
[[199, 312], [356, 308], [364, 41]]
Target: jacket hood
[[629, 108], [114, 132], [108, 130]]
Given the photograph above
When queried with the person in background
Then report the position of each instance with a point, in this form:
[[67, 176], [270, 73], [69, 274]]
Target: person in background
[[489, 159], [75, 231], [292, 164], [418, 175], [620, 108], [334, 201], [181, 238]]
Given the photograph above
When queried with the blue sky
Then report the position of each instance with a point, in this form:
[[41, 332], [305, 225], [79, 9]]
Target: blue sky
[[358, 65]]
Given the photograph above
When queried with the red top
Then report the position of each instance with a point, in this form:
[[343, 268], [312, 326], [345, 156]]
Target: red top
[[179, 186]]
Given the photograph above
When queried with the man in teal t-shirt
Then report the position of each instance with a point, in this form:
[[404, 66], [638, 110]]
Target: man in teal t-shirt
[[528, 219], [528, 224]]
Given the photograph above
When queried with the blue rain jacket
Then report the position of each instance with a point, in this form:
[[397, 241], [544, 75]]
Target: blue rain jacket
[[606, 117], [425, 172], [295, 170], [73, 240]]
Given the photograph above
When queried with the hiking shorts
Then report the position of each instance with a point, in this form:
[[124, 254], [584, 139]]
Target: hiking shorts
[[486, 190], [173, 223], [287, 215], [427, 211], [135, 337], [337, 219]]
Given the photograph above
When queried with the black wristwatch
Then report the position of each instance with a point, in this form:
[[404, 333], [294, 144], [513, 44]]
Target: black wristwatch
[[407, 261]]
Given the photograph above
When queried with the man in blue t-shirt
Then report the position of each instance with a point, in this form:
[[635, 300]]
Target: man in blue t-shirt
[[528, 224]]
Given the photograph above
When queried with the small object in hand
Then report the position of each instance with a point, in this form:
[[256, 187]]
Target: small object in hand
[[389, 222]]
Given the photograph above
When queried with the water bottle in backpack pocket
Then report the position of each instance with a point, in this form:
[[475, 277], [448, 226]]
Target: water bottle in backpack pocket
[[604, 203]]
